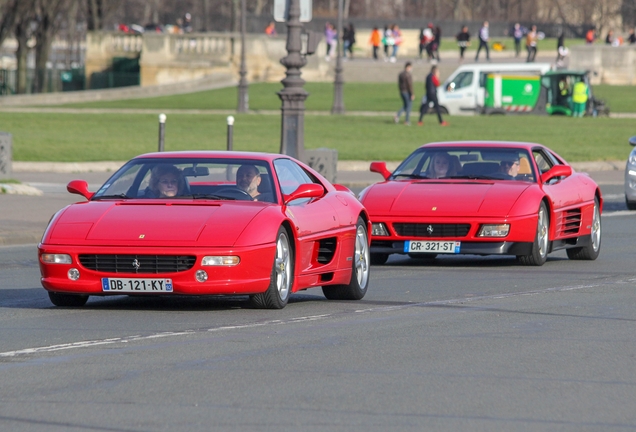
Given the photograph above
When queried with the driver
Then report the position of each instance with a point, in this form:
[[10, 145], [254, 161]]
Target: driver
[[510, 166], [248, 178]]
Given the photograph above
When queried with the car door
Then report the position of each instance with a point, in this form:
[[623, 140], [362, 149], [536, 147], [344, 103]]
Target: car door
[[563, 192], [314, 219], [460, 94]]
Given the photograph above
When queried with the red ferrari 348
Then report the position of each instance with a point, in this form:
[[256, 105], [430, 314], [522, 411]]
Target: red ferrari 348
[[483, 198], [201, 223]]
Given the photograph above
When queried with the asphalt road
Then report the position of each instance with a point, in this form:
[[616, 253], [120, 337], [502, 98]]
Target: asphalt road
[[461, 343]]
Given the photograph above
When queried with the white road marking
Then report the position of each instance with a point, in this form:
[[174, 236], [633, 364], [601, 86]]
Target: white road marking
[[620, 213], [309, 318]]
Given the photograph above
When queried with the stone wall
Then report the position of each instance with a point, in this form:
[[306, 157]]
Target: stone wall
[[611, 65]]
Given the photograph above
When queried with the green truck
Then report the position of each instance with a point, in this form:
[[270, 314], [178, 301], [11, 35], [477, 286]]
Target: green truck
[[547, 94]]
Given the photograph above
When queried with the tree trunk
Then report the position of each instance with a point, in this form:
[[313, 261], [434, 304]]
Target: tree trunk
[[21, 54]]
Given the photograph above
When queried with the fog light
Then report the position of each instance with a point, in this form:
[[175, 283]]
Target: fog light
[[201, 276], [500, 230], [379, 229], [220, 260], [73, 274], [57, 259]]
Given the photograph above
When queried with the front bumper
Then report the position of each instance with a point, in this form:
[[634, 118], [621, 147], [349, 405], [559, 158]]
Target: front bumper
[[250, 276], [630, 183], [475, 248]]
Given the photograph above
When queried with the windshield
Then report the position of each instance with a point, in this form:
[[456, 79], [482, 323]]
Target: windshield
[[488, 163], [192, 178]]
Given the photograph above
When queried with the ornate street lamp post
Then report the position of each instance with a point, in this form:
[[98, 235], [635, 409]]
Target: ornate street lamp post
[[242, 87], [338, 104], [293, 95]]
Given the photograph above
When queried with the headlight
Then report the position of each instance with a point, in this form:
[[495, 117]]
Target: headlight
[[500, 230], [379, 229], [631, 160], [57, 259], [220, 260]]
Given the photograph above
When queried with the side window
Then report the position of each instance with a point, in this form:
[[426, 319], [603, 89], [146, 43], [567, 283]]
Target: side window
[[543, 161], [462, 80], [290, 175]]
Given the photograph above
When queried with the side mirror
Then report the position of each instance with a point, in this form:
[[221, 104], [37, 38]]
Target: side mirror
[[308, 190], [380, 168], [80, 187], [632, 140], [556, 171]]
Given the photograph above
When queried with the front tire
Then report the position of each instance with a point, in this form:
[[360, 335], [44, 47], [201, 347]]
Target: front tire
[[539, 253], [279, 289], [631, 205], [592, 250], [357, 287], [67, 300]]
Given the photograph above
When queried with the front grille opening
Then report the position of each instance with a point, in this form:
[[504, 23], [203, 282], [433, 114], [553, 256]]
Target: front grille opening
[[138, 264], [431, 230]]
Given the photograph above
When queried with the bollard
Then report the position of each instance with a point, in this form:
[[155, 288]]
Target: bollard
[[6, 160], [162, 131], [230, 132]]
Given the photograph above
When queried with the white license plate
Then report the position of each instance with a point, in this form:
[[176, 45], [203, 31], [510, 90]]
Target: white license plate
[[134, 285], [418, 246]]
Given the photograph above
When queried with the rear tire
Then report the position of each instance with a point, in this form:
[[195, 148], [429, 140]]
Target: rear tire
[[539, 253], [282, 277], [357, 287], [379, 258], [67, 300], [592, 250]]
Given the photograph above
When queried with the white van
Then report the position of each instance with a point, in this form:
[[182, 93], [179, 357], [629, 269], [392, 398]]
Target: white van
[[464, 91]]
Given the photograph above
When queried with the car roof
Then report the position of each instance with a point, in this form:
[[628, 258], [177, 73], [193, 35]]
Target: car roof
[[489, 144], [504, 67], [213, 154]]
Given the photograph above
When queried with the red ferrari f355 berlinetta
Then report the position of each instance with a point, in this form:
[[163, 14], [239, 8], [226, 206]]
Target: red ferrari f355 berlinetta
[[483, 198], [206, 223]]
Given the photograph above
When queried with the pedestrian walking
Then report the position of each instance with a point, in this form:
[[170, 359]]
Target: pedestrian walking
[[397, 41], [484, 37], [437, 42], [429, 35], [405, 84], [632, 37], [463, 41], [531, 44], [331, 39], [385, 41], [590, 36], [432, 82], [348, 39], [562, 51], [375, 40], [517, 34]]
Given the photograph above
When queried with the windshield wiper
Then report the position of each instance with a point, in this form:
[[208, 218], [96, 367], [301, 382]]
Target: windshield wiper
[[211, 197], [115, 196], [413, 176]]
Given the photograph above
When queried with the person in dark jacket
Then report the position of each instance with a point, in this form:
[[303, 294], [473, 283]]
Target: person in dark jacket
[[432, 82], [463, 41], [348, 39], [405, 84]]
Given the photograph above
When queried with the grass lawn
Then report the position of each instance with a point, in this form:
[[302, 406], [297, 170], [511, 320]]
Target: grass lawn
[[357, 97], [92, 137]]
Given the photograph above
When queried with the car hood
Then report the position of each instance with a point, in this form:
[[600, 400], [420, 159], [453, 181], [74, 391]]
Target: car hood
[[159, 223], [447, 198]]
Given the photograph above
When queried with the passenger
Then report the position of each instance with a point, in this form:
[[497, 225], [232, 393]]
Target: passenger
[[440, 166], [166, 181], [510, 166], [248, 179]]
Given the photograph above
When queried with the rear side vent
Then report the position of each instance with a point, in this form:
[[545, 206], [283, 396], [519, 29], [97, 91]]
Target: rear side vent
[[326, 250], [571, 223]]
